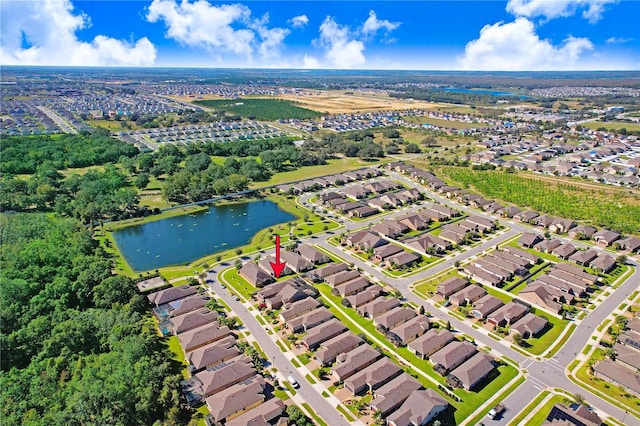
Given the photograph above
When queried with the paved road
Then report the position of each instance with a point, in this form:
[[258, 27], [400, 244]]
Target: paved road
[[61, 122], [320, 405]]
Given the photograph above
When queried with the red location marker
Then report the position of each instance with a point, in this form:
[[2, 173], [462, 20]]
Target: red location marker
[[277, 266]]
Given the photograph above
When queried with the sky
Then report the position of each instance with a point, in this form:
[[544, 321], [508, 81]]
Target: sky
[[511, 35]]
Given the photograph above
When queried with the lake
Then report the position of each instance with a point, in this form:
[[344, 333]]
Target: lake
[[183, 239]]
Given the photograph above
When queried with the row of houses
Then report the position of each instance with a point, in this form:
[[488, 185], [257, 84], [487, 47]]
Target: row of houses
[[221, 376], [500, 266], [382, 251], [624, 369], [517, 316], [329, 181]]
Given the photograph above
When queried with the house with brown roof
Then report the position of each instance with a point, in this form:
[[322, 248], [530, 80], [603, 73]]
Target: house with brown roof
[[265, 264], [391, 396], [289, 291], [543, 221], [309, 320], [192, 320], [603, 263], [224, 375], [485, 305], [364, 240], [606, 237], [169, 295], [484, 224], [467, 295], [452, 355], [387, 229], [292, 310], [582, 232], [482, 276], [341, 277], [312, 254], [331, 269], [508, 314], [512, 258], [628, 356], [365, 296], [411, 329], [351, 362], [509, 211], [526, 216], [318, 335], [213, 354], [420, 407], [381, 254], [451, 286], [373, 376], [547, 246], [268, 413], [564, 251], [430, 342], [377, 307], [561, 226], [201, 336], [237, 399], [454, 233], [548, 297], [414, 222], [188, 304], [352, 286], [630, 243], [529, 325], [296, 262], [618, 375], [577, 272], [471, 372], [255, 275], [402, 260], [583, 257], [394, 317], [427, 243], [530, 239], [330, 349], [532, 258], [574, 414]]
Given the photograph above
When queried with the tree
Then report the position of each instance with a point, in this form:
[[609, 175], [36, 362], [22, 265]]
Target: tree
[[518, 339], [391, 133], [429, 141], [142, 180], [412, 148], [448, 326], [422, 310]]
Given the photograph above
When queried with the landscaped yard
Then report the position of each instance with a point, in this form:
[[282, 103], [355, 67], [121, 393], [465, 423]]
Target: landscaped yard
[[233, 280]]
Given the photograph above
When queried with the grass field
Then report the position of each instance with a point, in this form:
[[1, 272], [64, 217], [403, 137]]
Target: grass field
[[451, 124], [611, 125], [267, 109]]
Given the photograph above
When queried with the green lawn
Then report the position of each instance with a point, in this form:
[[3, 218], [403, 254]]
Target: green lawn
[[174, 346], [542, 412], [313, 415], [537, 345], [234, 281], [611, 125]]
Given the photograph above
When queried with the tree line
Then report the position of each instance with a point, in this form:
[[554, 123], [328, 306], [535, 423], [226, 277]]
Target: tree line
[[78, 344]]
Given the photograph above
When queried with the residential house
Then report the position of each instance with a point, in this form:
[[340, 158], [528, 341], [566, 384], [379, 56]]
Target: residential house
[[420, 407], [545, 296], [265, 264], [372, 377], [305, 322], [467, 295], [574, 414], [529, 325], [582, 232], [388, 229], [603, 263], [352, 286], [509, 211], [364, 240], [530, 239], [268, 413], [402, 260], [577, 272], [485, 305], [255, 275], [628, 356], [428, 243], [451, 356], [365, 296], [561, 226], [318, 335], [354, 361], [618, 375], [377, 307], [606, 238], [289, 291], [381, 254], [292, 310], [430, 342], [225, 375], [296, 262], [312, 254], [508, 314], [188, 304], [391, 396], [630, 243], [193, 319], [414, 222], [411, 329], [532, 258], [213, 354], [547, 246], [329, 270], [341, 277], [201, 336], [394, 317], [169, 295], [526, 216], [564, 251], [584, 257], [237, 399], [471, 372], [451, 286], [342, 343]]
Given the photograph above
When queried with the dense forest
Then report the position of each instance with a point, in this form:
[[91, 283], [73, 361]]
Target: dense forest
[[25, 154], [78, 346]]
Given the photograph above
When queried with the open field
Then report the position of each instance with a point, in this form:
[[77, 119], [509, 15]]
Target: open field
[[611, 125], [451, 124], [341, 102], [268, 109]]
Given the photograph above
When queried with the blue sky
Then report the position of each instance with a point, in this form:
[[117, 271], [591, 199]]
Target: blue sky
[[452, 35]]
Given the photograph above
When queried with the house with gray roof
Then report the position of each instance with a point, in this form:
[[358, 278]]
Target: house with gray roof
[[508, 314], [420, 407], [530, 239], [255, 275], [342, 343], [365, 296], [604, 263], [318, 335], [264, 414], [545, 296], [529, 325], [309, 320], [352, 286], [224, 375], [451, 286], [296, 262], [618, 375], [583, 257], [377, 307], [213, 354], [391, 396], [485, 306], [341, 277], [312, 254], [606, 237], [188, 304], [292, 310], [394, 317], [192, 320], [467, 295], [332, 269], [237, 399], [411, 329], [201, 336], [169, 295]]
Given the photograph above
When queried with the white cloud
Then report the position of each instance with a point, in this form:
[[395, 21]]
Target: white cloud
[[44, 33], [516, 46], [618, 40], [310, 62], [299, 21], [592, 9], [342, 50], [228, 28], [372, 25]]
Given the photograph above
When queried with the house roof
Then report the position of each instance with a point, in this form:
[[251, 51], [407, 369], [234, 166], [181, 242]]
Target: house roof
[[329, 329], [576, 412], [470, 292], [529, 323], [474, 369], [296, 261], [585, 256], [262, 415], [547, 294], [235, 398], [628, 355], [418, 406], [521, 253], [453, 354], [487, 304], [378, 306], [379, 372], [188, 304], [365, 296], [310, 319], [603, 262], [412, 328], [510, 312], [350, 362], [394, 393], [395, 315], [192, 320], [451, 286], [228, 373], [341, 277], [341, 343], [169, 295], [211, 332], [213, 353], [292, 310], [432, 341], [254, 274], [334, 268], [576, 271]]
